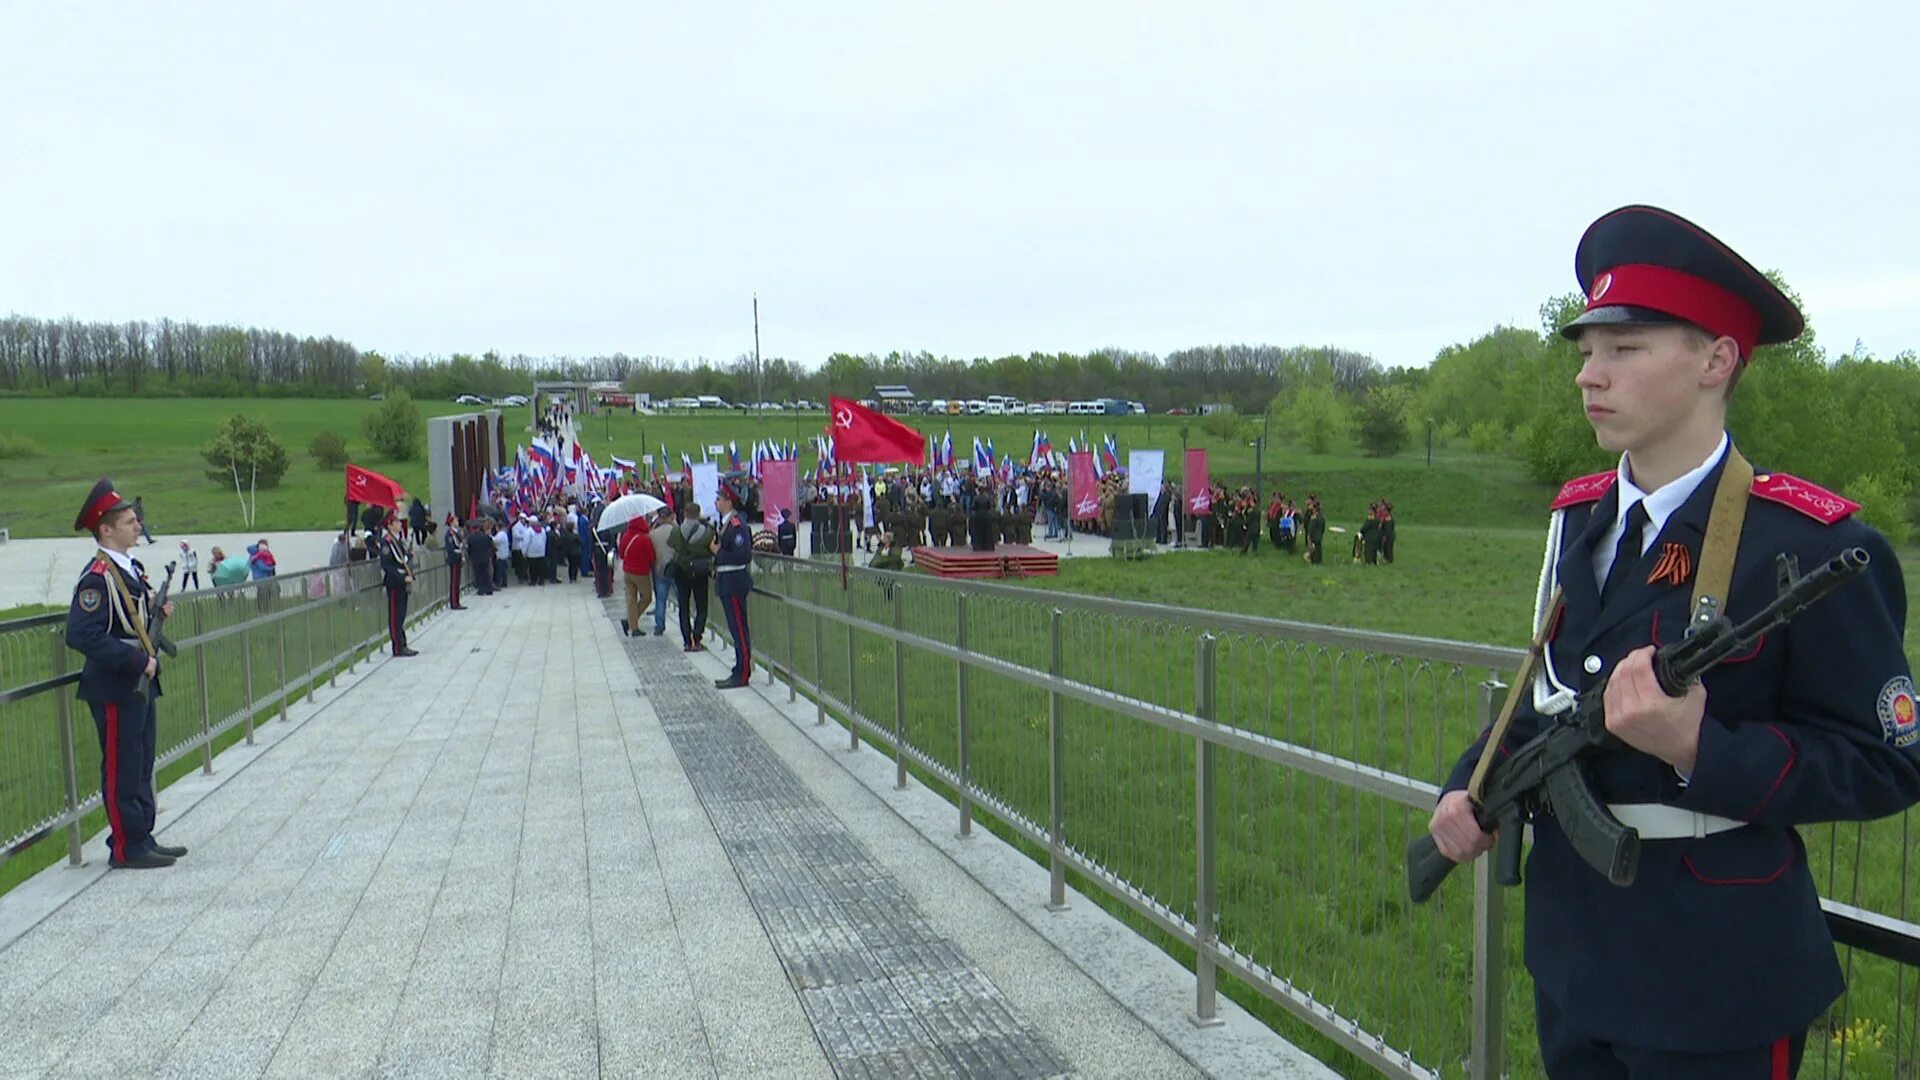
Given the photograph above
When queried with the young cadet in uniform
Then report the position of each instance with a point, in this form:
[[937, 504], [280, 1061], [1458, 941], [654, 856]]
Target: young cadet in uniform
[[732, 581], [107, 624], [455, 543], [397, 578], [1716, 960]]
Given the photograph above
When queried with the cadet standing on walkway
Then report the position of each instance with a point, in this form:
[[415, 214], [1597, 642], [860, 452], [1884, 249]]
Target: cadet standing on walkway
[[397, 578], [732, 581], [1715, 961], [107, 623]]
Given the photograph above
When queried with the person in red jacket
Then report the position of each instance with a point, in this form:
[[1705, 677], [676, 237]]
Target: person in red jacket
[[636, 567]]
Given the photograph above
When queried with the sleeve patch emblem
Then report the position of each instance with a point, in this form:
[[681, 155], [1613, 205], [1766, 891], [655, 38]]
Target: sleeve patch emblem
[[89, 600], [1897, 713]]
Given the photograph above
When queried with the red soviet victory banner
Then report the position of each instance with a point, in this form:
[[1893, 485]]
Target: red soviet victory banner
[[1082, 489], [369, 488], [1194, 483], [861, 435], [776, 491]]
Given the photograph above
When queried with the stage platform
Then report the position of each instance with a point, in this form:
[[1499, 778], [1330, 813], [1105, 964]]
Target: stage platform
[[1006, 560]]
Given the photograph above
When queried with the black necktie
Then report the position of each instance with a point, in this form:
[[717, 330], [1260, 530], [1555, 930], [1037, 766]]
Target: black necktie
[[1627, 551]]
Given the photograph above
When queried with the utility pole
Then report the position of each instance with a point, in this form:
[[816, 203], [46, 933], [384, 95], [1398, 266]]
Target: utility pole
[[1259, 449], [759, 377]]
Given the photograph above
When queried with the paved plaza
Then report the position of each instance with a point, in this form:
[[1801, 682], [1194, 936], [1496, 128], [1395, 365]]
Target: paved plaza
[[540, 849]]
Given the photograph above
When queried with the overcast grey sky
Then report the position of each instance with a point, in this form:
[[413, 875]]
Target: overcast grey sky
[[969, 179]]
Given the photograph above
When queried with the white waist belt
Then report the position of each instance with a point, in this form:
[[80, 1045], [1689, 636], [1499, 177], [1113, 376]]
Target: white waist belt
[[727, 569], [1657, 821]]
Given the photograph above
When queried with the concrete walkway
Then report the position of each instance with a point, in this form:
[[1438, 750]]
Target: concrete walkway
[[540, 849]]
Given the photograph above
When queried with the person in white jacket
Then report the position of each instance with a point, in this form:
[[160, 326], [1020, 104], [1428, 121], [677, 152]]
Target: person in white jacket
[[537, 554], [501, 557]]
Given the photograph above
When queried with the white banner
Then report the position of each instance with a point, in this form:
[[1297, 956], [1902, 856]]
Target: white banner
[[1144, 469], [706, 487]]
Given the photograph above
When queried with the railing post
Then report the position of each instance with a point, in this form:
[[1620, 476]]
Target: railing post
[[353, 639], [1206, 923], [246, 651], [206, 709], [899, 689], [819, 654], [63, 709], [793, 690], [333, 669], [961, 710], [306, 620], [1488, 1060], [853, 677], [280, 625], [1056, 776]]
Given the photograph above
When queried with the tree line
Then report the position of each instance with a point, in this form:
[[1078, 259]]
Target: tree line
[[177, 358], [1851, 422]]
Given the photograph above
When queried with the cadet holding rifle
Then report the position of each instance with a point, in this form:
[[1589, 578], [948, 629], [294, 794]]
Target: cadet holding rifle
[[1697, 947], [115, 622]]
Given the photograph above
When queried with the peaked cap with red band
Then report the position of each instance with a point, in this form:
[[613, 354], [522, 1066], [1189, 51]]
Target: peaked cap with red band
[[101, 501], [1641, 264]]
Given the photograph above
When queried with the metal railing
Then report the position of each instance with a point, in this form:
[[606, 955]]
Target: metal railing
[[1242, 789], [246, 651]]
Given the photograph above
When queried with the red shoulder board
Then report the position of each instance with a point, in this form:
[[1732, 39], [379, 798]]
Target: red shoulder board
[[98, 566], [1812, 500], [1585, 490]]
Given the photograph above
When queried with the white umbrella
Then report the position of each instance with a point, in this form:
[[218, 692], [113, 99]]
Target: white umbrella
[[626, 508]]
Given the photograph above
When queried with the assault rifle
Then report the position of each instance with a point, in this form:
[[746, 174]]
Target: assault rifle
[[1548, 773], [156, 633]]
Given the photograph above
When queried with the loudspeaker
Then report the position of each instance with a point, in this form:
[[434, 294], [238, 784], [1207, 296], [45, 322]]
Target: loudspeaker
[[1130, 518]]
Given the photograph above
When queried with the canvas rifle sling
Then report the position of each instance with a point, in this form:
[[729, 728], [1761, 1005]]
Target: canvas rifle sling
[[1728, 517], [127, 604], [1710, 586]]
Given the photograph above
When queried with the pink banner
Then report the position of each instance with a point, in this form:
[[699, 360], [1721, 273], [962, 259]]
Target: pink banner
[[1194, 483], [776, 492], [1083, 491]]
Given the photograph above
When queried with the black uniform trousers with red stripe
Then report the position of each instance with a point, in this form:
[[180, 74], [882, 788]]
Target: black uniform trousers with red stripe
[[397, 616], [733, 588], [127, 731]]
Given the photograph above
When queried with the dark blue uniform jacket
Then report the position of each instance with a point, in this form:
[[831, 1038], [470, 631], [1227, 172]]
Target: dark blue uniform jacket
[[114, 658], [736, 549], [1720, 943]]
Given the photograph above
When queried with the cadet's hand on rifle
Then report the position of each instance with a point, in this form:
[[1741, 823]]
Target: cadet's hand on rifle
[[153, 666], [1641, 714], [1455, 831]]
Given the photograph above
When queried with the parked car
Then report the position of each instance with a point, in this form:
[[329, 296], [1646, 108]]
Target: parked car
[[377, 397], [514, 401], [471, 399], [1178, 412]]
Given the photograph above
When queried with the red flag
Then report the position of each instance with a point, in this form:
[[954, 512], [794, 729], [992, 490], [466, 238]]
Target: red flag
[[369, 488], [1083, 489], [864, 436], [1199, 496]]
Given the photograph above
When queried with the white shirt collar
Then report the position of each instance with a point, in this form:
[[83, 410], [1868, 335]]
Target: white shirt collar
[[1664, 500], [124, 561]]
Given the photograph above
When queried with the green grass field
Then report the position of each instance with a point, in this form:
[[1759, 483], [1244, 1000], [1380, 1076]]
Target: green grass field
[[150, 448]]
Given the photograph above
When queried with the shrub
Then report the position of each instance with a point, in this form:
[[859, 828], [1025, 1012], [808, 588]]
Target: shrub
[[395, 428], [1488, 437], [329, 451], [1883, 505], [245, 448], [18, 446]]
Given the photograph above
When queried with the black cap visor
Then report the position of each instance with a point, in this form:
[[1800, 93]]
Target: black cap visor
[[1619, 315]]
